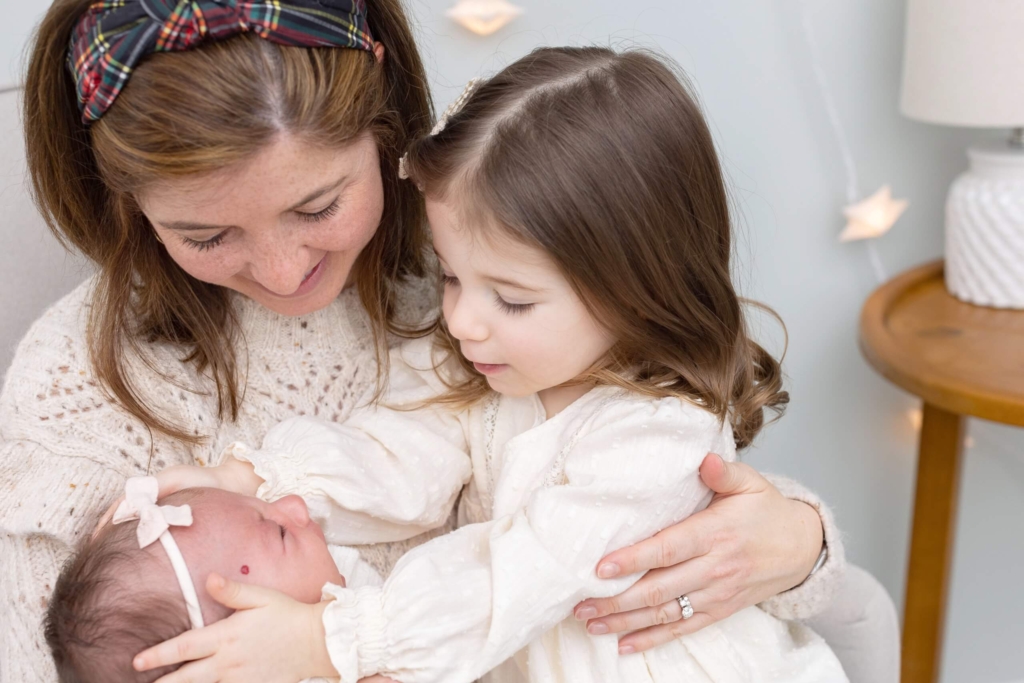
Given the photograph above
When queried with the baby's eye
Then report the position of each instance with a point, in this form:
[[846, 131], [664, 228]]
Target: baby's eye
[[282, 531]]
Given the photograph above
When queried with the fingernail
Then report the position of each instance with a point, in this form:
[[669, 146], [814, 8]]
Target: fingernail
[[626, 649], [584, 613], [218, 581], [608, 570], [597, 629]]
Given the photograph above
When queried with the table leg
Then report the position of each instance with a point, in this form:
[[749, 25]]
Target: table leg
[[931, 545]]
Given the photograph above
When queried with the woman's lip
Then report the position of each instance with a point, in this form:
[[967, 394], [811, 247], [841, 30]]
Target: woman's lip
[[489, 368]]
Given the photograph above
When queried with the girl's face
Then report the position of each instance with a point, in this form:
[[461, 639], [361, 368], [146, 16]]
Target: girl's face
[[515, 315], [283, 228]]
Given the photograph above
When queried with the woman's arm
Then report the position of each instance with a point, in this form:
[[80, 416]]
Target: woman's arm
[[752, 545]]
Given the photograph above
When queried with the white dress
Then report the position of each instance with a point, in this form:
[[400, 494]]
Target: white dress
[[550, 498]]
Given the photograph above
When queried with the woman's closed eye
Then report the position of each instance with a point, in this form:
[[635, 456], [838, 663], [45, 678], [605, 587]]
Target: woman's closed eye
[[204, 245], [323, 214]]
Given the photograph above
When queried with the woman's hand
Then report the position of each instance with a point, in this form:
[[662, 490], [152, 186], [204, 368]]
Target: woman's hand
[[271, 638], [749, 544]]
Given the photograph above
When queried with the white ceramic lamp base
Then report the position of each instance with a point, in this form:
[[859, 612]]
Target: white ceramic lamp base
[[985, 230]]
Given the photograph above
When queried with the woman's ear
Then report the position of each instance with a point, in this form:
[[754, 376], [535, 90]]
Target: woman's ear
[[378, 51]]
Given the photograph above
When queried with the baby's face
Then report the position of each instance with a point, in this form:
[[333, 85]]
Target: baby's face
[[267, 544]]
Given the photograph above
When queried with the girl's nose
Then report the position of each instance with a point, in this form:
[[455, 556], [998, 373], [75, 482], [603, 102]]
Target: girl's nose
[[463, 323]]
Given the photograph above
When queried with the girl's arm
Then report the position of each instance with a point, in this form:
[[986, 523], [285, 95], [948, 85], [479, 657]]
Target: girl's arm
[[388, 472], [461, 604]]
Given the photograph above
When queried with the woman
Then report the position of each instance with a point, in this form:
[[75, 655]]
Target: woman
[[256, 254]]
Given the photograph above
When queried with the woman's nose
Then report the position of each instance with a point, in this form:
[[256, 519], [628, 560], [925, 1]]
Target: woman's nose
[[295, 508], [280, 267]]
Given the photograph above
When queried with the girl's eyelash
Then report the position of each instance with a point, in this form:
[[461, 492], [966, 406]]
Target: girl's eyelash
[[512, 309], [449, 280], [321, 215], [204, 245]]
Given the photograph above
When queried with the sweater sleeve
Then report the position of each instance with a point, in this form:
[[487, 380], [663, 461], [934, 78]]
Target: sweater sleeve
[[459, 605], [65, 452], [813, 595], [389, 472]]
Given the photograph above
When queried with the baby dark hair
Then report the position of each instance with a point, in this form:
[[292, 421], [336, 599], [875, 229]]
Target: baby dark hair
[[113, 600], [603, 161]]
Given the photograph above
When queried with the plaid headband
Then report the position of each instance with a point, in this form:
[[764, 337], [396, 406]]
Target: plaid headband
[[114, 35]]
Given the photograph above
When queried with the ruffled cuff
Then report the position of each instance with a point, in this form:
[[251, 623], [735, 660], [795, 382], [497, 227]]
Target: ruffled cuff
[[356, 631], [280, 469], [816, 592]]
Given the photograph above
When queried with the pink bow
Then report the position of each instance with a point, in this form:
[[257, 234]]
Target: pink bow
[[140, 503]]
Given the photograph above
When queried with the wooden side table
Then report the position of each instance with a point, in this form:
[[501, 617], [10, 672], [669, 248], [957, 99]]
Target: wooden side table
[[962, 360]]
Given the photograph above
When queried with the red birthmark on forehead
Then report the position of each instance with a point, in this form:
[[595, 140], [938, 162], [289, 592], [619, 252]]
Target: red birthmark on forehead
[[245, 569]]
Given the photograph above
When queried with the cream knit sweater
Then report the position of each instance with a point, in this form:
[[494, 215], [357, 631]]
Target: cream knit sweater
[[66, 449]]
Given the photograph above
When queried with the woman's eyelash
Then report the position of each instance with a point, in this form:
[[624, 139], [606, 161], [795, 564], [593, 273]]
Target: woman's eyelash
[[204, 245], [321, 215], [512, 309]]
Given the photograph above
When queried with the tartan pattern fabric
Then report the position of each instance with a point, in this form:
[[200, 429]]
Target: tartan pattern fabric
[[114, 35]]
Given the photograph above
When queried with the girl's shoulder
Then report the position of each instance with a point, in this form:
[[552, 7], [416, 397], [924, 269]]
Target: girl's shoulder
[[613, 410]]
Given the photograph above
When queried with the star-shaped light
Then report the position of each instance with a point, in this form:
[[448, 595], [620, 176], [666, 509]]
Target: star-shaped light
[[483, 17], [872, 217]]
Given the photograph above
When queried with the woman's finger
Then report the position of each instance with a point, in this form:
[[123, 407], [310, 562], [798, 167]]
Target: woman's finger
[[665, 613], [107, 516], [689, 539], [659, 635], [728, 478], [656, 588]]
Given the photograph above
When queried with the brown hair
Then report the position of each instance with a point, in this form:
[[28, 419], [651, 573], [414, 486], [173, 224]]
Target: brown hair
[[197, 112], [604, 161], [112, 601]]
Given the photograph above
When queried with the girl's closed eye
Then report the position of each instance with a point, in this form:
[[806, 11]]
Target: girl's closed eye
[[449, 280], [510, 308]]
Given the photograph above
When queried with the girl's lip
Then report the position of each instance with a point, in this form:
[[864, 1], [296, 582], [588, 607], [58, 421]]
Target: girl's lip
[[309, 283], [489, 368]]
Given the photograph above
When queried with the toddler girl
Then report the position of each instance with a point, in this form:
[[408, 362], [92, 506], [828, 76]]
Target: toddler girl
[[592, 350]]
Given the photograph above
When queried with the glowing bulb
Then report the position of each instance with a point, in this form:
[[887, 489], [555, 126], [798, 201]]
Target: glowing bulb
[[872, 217], [916, 417], [483, 17]]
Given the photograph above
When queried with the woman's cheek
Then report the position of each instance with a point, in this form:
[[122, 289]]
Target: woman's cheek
[[207, 266]]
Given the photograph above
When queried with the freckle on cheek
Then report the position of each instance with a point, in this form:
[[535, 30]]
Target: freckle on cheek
[[245, 569]]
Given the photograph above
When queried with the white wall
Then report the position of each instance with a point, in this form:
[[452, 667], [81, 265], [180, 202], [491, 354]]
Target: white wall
[[847, 434]]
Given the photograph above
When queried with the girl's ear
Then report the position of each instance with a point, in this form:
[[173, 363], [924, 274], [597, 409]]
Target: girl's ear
[[378, 51]]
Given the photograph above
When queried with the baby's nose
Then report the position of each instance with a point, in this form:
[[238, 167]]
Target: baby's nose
[[295, 508]]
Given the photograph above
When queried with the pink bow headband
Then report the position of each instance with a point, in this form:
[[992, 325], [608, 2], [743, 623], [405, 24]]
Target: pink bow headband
[[155, 522]]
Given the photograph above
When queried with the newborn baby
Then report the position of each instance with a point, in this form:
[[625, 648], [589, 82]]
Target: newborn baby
[[114, 599]]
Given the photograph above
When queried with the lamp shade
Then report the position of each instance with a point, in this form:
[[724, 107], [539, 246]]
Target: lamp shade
[[963, 62]]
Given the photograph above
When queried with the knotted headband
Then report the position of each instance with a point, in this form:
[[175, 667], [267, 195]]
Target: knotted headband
[[155, 523], [114, 35]]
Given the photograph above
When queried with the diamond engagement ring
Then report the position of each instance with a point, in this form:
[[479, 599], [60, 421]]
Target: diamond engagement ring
[[684, 604]]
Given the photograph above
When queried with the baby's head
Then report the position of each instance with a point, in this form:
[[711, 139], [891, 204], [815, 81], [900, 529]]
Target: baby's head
[[113, 599], [580, 215]]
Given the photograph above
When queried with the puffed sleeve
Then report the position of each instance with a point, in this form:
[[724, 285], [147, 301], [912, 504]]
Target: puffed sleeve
[[391, 471], [459, 605]]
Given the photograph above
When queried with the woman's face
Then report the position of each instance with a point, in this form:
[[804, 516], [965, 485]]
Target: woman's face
[[284, 228]]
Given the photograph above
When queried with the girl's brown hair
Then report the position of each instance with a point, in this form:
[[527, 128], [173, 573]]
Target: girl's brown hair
[[604, 161], [194, 113]]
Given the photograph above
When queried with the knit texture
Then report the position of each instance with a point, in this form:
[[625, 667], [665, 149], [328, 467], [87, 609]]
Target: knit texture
[[66, 449]]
